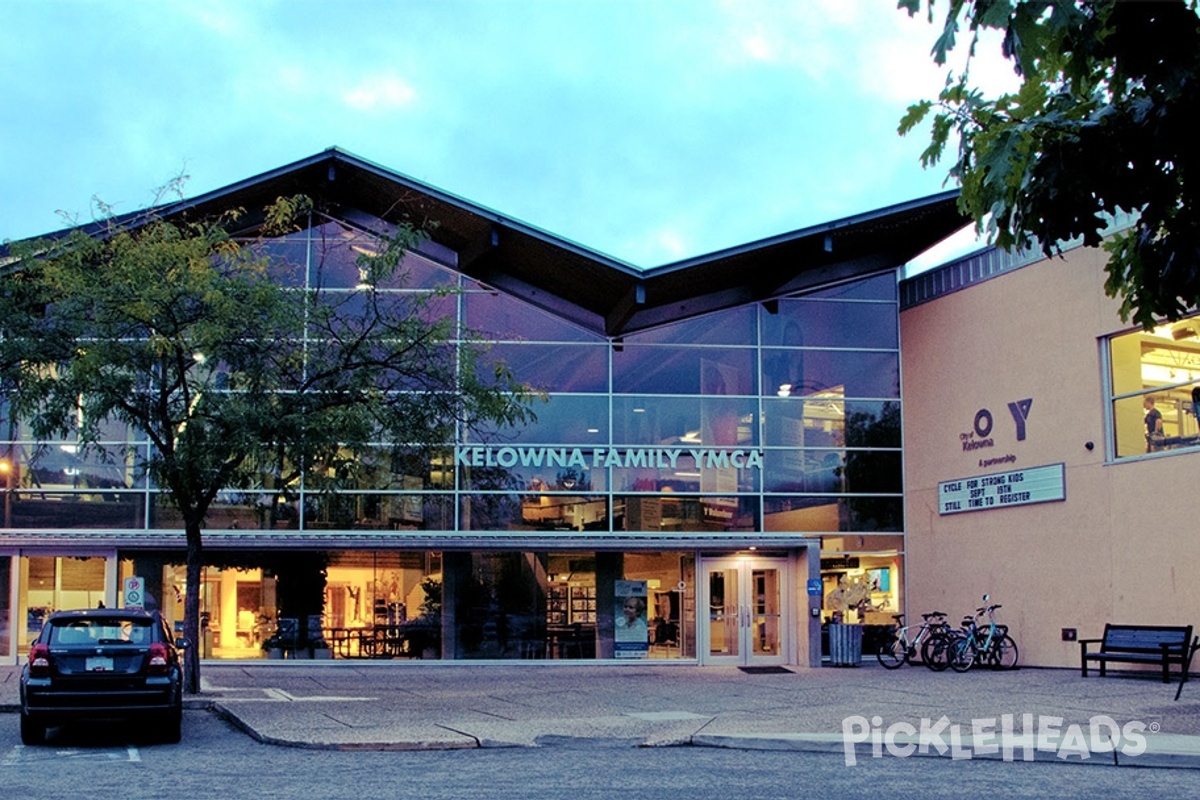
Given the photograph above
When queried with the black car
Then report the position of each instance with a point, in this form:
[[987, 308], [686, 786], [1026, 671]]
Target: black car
[[102, 663]]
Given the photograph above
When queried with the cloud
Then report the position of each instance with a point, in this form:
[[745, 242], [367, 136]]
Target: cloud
[[380, 92]]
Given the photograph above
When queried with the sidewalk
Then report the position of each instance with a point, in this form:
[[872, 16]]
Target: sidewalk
[[406, 706]]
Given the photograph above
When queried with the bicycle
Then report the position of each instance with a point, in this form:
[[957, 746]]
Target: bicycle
[[898, 650], [989, 645]]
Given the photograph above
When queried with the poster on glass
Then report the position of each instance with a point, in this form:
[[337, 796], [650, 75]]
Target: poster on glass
[[631, 637]]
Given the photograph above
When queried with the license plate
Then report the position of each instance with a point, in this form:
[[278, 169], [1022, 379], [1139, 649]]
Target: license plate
[[98, 664]]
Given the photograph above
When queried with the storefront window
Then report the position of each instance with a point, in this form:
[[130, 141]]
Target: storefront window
[[54, 583], [863, 582], [5, 611], [1155, 382], [570, 605]]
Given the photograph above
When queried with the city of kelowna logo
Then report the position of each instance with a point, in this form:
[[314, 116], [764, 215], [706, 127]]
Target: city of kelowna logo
[[980, 435]]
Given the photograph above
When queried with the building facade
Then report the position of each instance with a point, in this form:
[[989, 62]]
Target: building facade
[[1034, 470], [717, 464]]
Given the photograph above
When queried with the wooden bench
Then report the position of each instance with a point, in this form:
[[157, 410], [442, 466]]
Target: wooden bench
[[1139, 644]]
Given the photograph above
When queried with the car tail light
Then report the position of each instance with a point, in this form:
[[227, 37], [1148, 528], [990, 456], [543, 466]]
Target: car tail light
[[158, 659], [39, 661]]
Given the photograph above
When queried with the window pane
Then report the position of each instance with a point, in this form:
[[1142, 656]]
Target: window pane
[[684, 421], [513, 512], [820, 471], [562, 419], [849, 373], [718, 471], [674, 513], [340, 261], [881, 287], [806, 514], [43, 509], [683, 370], [733, 326], [823, 323], [552, 367], [830, 421], [70, 466], [533, 468], [1169, 424], [287, 258], [1157, 372], [504, 318]]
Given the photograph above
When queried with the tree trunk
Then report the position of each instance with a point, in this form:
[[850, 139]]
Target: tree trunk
[[191, 608]]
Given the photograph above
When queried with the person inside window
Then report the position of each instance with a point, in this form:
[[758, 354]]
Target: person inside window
[[1154, 426]]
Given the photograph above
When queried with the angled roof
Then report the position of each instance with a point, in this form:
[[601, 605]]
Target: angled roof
[[601, 293]]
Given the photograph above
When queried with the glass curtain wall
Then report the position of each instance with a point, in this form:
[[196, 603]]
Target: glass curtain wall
[[781, 417], [773, 417]]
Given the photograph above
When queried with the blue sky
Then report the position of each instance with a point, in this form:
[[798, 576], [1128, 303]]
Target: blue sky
[[651, 131]]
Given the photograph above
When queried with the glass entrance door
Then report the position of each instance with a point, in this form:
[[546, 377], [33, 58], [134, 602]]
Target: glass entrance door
[[745, 621]]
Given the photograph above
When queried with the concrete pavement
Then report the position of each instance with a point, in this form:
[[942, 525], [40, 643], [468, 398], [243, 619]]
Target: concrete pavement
[[853, 714]]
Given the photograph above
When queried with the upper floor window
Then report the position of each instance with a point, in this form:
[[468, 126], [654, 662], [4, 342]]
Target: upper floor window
[[1155, 388]]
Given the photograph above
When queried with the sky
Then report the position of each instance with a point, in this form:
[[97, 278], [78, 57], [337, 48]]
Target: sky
[[650, 131]]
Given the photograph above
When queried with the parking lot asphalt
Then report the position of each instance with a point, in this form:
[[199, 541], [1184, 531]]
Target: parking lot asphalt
[[852, 713]]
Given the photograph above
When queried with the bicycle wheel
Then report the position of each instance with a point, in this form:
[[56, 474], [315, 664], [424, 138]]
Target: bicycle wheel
[[892, 653], [935, 652], [962, 653], [1005, 653]]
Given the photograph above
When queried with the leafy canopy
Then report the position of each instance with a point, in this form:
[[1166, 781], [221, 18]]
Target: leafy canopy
[[1102, 125]]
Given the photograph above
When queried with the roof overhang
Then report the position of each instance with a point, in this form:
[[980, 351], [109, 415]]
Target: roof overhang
[[605, 295]]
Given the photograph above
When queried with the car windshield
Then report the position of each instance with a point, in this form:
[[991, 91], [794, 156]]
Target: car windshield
[[100, 631]]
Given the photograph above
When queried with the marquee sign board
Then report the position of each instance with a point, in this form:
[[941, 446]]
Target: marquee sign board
[[1003, 489]]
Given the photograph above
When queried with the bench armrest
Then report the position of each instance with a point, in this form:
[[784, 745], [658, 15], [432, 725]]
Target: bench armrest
[[1089, 641]]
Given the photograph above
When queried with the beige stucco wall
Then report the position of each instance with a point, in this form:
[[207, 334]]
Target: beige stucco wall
[[1125, 544]]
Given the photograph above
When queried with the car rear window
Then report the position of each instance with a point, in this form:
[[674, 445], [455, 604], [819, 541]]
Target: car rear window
[[100, 631]]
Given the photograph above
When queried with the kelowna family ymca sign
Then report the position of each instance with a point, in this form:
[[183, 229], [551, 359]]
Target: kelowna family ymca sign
[[601, 457]]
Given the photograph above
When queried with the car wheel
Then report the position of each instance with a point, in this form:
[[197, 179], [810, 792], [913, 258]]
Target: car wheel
[[32, 731], [172, 726]]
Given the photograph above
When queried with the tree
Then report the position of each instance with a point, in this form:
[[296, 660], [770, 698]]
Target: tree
[[1101, 125], [183, 333]]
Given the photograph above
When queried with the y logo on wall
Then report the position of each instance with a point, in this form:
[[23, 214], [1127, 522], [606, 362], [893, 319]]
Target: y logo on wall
[[980, 436]]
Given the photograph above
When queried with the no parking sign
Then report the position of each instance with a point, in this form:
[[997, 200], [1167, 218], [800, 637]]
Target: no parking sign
[[134, 593]]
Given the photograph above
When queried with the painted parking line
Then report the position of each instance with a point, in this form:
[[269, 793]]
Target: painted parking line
[[21, 755]]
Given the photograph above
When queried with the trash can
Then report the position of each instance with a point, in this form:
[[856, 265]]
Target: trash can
[[845, 644]]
